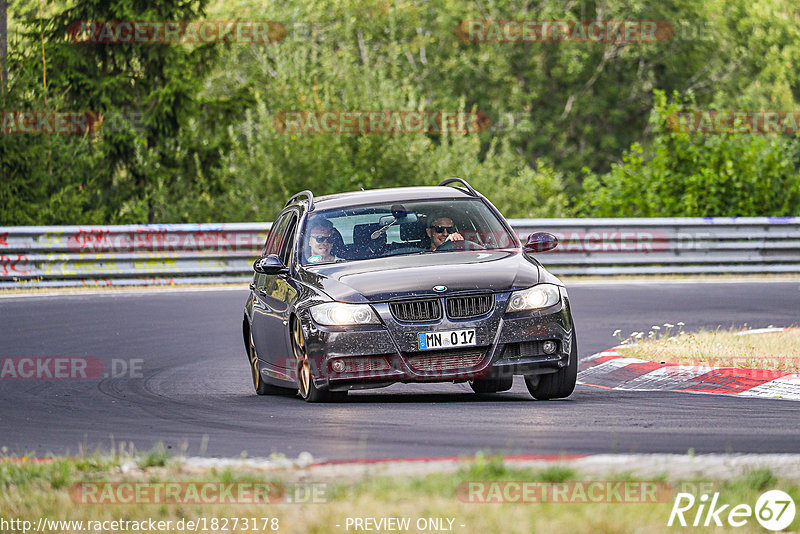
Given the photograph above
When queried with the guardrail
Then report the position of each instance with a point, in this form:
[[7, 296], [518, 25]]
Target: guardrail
[[758, 245], [172, 254], [160, 254]]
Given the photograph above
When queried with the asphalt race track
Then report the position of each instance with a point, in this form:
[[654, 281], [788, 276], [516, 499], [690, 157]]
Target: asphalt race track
[[195, 393]]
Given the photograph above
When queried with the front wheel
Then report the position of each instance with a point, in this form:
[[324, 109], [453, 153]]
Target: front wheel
[[556, 385], [305, 378]]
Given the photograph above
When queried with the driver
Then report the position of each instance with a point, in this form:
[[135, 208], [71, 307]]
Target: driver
[[321, 240], [441, 230]]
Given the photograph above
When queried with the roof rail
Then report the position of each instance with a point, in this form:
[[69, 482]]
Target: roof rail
[[306, 193], [463, 181]]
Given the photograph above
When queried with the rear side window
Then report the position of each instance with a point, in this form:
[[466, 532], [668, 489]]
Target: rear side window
[[276, 233], [287, 240]]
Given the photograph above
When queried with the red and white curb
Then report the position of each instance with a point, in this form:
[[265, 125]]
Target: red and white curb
[[611, 370]]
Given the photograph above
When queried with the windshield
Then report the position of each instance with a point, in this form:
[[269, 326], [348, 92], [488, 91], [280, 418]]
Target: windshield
[[381, 230]]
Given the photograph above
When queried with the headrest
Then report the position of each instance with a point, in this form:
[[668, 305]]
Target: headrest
[[362, 235], [338, 242], [413, 231]]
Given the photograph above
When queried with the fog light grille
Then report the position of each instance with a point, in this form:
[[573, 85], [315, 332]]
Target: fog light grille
[[445, 360], [365, 364], [526, 349]]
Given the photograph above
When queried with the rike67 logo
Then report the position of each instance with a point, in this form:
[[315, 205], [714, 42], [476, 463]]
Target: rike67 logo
[[774, 510]]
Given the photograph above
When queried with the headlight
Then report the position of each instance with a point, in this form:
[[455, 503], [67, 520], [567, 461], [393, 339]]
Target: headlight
[[338, 314], [534, 298]]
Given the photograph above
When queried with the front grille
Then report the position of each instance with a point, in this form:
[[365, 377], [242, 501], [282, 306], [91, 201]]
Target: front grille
[[446, 360], [365, 364], [417, 310], [470, 306], [526, 349]]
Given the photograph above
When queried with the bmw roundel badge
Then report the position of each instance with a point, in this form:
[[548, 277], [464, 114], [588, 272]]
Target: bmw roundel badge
[[440, 289]]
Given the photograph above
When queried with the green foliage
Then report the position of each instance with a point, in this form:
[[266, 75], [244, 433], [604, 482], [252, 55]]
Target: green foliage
[[760, 479], [576, 128], [294, 76], [133, 171], [691, 175], [44, 179], [157, 457]]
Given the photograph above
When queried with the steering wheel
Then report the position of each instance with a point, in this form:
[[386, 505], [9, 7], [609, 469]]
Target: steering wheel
[[465, 244]]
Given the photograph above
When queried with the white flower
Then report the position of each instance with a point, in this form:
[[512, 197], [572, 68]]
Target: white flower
[[668, 325], [654, 327], [681, 323], [616, 332]]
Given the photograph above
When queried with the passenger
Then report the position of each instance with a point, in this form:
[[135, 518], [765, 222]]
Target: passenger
[[321, 239], [441, 231]]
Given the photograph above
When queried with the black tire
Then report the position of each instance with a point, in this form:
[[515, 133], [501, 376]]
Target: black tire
[[305, 379], [492, 385], [556, 385], [261, 387]]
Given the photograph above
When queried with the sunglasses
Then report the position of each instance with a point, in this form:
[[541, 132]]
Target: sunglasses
[[323, 238], [442, 229]]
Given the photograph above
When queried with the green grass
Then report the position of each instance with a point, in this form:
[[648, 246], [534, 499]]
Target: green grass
[[777, 351], [32, 490]]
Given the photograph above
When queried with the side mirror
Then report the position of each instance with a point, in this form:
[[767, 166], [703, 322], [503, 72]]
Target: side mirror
[[540, 242], [271, 264]]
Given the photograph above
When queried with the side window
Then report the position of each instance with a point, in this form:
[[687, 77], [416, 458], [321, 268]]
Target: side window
[[287, 240], [273, 243]]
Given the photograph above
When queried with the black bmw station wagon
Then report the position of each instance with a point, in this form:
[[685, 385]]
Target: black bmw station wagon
[[414, 284]]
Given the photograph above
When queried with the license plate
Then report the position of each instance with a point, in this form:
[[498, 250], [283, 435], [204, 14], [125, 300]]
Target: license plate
[[450, 338]]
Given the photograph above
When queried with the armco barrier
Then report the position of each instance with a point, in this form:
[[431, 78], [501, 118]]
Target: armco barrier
[[161, 254], [759, 245], [219, 253]]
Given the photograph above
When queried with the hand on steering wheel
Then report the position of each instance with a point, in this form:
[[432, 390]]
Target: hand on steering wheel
[[462, 244]]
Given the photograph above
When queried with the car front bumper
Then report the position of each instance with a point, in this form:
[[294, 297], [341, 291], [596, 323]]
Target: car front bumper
[[378, 355]]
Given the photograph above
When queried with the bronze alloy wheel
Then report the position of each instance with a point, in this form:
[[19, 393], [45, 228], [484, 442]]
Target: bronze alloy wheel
[[305, 377], [255, 369], [301, 357]]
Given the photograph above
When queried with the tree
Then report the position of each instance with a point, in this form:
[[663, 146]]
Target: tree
[[698, 175], [147, 94]]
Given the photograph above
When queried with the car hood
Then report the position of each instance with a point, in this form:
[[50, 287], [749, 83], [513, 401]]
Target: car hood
[[415, 275]]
